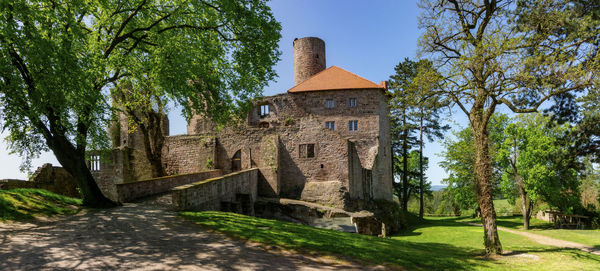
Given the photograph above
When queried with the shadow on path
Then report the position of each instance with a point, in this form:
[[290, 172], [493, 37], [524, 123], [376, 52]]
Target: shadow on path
[[136, 236]]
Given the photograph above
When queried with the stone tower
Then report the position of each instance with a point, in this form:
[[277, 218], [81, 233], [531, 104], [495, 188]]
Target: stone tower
[[309, 58]]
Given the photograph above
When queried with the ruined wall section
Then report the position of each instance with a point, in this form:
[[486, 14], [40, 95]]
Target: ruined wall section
[[186, 154], [382, 170]]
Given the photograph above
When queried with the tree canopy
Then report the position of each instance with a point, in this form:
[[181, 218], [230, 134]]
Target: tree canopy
[[58, 59]]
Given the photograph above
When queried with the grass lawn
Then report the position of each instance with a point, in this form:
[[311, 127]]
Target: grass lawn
[[436, 244], [586, 237], [25, 203]]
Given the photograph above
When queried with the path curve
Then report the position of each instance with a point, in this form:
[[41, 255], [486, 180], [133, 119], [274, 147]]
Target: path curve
[[545, 240], [138, 237]]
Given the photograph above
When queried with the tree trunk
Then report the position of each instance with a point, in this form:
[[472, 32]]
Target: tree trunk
[[421, 185], [483, 172], [153, 142], [405, 165], [525, 202], [74, 162]]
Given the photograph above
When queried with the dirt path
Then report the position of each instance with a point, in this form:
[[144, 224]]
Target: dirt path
[[544, 240], [137, 237]]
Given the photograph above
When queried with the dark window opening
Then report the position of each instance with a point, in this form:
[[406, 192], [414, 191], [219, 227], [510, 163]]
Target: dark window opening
[[236, 161], [321, 165], [317, 56], [306, 150]]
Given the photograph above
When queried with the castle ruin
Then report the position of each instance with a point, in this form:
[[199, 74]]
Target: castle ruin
[[326, 141]]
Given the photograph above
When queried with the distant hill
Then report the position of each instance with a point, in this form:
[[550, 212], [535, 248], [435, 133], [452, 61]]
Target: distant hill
[[438, 187]]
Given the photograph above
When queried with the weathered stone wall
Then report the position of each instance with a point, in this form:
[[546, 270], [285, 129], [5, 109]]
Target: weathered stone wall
[[209, 194], [53, 179], [133, 190], [186, 154]]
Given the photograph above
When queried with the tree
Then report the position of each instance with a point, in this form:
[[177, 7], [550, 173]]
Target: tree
[[403, 128], [533, 164], [498, 52], [414, 108], [414, 187], [58, 60], [428, 109]]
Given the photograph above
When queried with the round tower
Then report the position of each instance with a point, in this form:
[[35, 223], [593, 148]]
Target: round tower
[[309, 58]]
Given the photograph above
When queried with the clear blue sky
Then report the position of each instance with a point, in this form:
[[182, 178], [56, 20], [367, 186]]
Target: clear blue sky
[[367, 38]]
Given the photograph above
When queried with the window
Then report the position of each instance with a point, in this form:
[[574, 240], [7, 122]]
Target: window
[[329, 103], [306, 150], [95, 163], [330, 125], [352, 102], [264, 110], [353, 125]]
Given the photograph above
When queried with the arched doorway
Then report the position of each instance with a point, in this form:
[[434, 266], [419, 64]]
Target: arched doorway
[[236, 161]]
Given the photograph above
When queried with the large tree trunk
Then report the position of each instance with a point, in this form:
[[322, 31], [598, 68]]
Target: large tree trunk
[[483, 172], [421, 185], [74, 162], [153, 142], [405, 165]]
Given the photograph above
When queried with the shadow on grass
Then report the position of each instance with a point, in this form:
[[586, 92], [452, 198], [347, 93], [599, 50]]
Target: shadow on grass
[[410, 255]]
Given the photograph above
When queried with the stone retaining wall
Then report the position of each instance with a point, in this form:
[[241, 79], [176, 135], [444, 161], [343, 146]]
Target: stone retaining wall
[[134, 190], [208, 195]]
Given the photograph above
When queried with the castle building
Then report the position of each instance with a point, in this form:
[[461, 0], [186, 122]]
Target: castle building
[[327, 140]]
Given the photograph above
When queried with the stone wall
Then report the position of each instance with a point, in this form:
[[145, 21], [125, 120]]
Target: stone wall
[[209, 195], [53, 179], [186, 154], [134, 190]]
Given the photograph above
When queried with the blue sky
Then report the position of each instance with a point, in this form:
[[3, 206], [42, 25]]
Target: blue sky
[[367, 38]]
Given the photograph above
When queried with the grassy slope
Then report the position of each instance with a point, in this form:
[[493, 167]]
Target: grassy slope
[[587, 237], [24, 203], [436, 244]]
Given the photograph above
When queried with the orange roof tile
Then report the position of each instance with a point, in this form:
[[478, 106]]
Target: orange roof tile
[[335, 78]]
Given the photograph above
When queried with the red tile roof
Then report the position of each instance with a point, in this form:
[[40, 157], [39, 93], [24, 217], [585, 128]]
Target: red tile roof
[[335, 78]]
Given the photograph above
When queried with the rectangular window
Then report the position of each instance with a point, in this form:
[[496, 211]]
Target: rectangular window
[[95, 163], [330, 125], [306, 150], [352, 102], [329, 103], [264, 110], [353, 125]]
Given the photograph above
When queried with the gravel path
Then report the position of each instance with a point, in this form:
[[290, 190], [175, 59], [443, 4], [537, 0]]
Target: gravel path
[[545, 240], [138, 236]]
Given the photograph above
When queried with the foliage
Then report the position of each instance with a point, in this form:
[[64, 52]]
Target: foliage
[[413, 188], [59, 59], [433, 245], [532, 158], [25, 203]]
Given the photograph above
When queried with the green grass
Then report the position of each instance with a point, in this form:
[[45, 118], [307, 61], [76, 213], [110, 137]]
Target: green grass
[[25, 203], [586, 237], [436, 244]]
